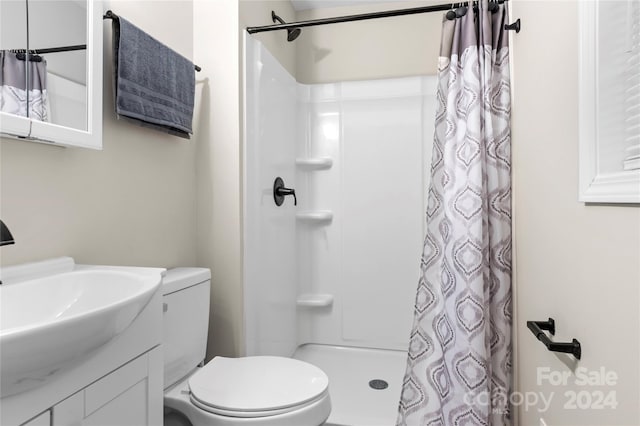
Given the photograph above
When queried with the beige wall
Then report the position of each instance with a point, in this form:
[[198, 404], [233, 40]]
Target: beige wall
[[365, 50], [382, 48], [576, 263], [256, 13], [217, 130], [131, 204]]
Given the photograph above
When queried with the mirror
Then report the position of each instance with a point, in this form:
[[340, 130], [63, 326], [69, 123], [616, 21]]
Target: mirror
[[56, 47], [62, 24], [13, 35]]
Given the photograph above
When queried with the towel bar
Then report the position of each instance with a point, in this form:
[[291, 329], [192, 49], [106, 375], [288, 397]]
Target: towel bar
[[110, 15]]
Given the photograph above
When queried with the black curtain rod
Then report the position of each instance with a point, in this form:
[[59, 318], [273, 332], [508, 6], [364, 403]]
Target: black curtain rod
[[360, 17], [110, 15], [51, 49]]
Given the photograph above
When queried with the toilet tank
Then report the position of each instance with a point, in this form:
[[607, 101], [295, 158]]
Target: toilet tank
[[185, 297]]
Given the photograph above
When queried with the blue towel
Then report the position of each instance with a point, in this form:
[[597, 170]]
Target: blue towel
[[154, 85]]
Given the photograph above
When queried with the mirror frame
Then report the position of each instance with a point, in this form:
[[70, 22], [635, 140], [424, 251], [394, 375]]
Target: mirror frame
[[14, 125], [596, 186], [39, 131]]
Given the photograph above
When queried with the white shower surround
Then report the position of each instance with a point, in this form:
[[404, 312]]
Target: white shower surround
[[357, 154], [341, 268]]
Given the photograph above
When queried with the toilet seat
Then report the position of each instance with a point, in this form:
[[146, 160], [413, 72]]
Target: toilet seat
[[259, 386], [255, 414]]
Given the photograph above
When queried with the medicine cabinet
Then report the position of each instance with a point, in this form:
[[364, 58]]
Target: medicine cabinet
[[52, 71]]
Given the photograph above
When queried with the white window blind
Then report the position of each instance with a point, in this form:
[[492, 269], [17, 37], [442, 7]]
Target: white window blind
[[609, 107], [632, 93]]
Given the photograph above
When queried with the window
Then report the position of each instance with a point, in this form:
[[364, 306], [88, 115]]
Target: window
[[610, 101]]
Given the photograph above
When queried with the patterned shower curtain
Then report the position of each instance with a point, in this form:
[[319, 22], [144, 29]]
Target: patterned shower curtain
[[14, 97], [459, 358]]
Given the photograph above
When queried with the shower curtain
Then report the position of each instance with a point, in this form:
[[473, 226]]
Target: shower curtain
[[13, 88], [459, 359]]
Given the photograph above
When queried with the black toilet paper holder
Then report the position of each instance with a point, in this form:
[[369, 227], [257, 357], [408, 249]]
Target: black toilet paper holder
[[538, 327]]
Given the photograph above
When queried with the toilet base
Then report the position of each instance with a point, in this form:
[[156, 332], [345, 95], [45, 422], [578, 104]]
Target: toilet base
[[175, 418], [178, 398]]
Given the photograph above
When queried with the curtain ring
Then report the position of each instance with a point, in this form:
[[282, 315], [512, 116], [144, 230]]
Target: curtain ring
[[462, 10], [451, 14]]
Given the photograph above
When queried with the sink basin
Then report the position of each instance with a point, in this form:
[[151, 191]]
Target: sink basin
[[52, 321]]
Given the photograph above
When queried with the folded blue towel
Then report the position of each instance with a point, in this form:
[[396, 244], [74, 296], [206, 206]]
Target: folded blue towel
[[154, 85]]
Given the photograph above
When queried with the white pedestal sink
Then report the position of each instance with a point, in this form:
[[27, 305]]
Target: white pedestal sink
[[54, 314]]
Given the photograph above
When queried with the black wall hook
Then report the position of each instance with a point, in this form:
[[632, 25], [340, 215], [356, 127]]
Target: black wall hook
[[513, 27]]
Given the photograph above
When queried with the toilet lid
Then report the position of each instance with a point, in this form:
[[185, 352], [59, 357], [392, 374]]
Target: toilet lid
[[256, 384]]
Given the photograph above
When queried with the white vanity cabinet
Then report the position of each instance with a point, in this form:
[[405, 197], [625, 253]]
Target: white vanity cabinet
[[129, 396], [119, 383]]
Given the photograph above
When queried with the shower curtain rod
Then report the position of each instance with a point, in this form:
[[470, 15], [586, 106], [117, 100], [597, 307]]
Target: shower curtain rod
[[360, 17]]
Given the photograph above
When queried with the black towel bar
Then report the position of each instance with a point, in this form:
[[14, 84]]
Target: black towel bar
[[537, 328], [110, 15]]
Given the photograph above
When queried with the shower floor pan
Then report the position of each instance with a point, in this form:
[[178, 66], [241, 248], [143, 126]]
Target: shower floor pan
[[354, 401]]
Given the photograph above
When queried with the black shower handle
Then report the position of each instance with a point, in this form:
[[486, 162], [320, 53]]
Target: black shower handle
[[279, 192], [288, 191]]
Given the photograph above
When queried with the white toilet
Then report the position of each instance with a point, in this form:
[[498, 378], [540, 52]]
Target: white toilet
[[259, 390]]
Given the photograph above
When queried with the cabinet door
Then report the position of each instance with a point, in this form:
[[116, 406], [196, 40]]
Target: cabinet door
[[13, 89], [129, 396], [70, 412], [127, 409], [73, 77], [56, 95], [43, 419], [62, 24]]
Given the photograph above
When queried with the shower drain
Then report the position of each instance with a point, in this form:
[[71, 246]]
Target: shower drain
[[378, 384]]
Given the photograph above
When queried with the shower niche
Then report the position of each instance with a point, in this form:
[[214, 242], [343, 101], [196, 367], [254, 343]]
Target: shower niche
[[52, 64]]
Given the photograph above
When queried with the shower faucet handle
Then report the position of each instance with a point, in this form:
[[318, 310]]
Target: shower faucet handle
[[288, 191], [280, 191]]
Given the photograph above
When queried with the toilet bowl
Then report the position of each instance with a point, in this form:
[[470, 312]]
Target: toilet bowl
[[256, 390], [263, 390]]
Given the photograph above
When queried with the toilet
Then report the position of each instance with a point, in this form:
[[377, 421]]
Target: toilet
[[248, 391]]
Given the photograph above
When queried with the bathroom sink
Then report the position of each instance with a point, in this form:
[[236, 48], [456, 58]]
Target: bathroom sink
[[50, 323]]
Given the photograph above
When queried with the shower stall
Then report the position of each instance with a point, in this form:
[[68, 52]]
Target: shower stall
[[331, 276]]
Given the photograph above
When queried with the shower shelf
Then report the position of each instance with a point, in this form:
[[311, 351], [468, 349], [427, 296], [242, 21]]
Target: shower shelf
[[317, 163], [315, 216], [315, 300]]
